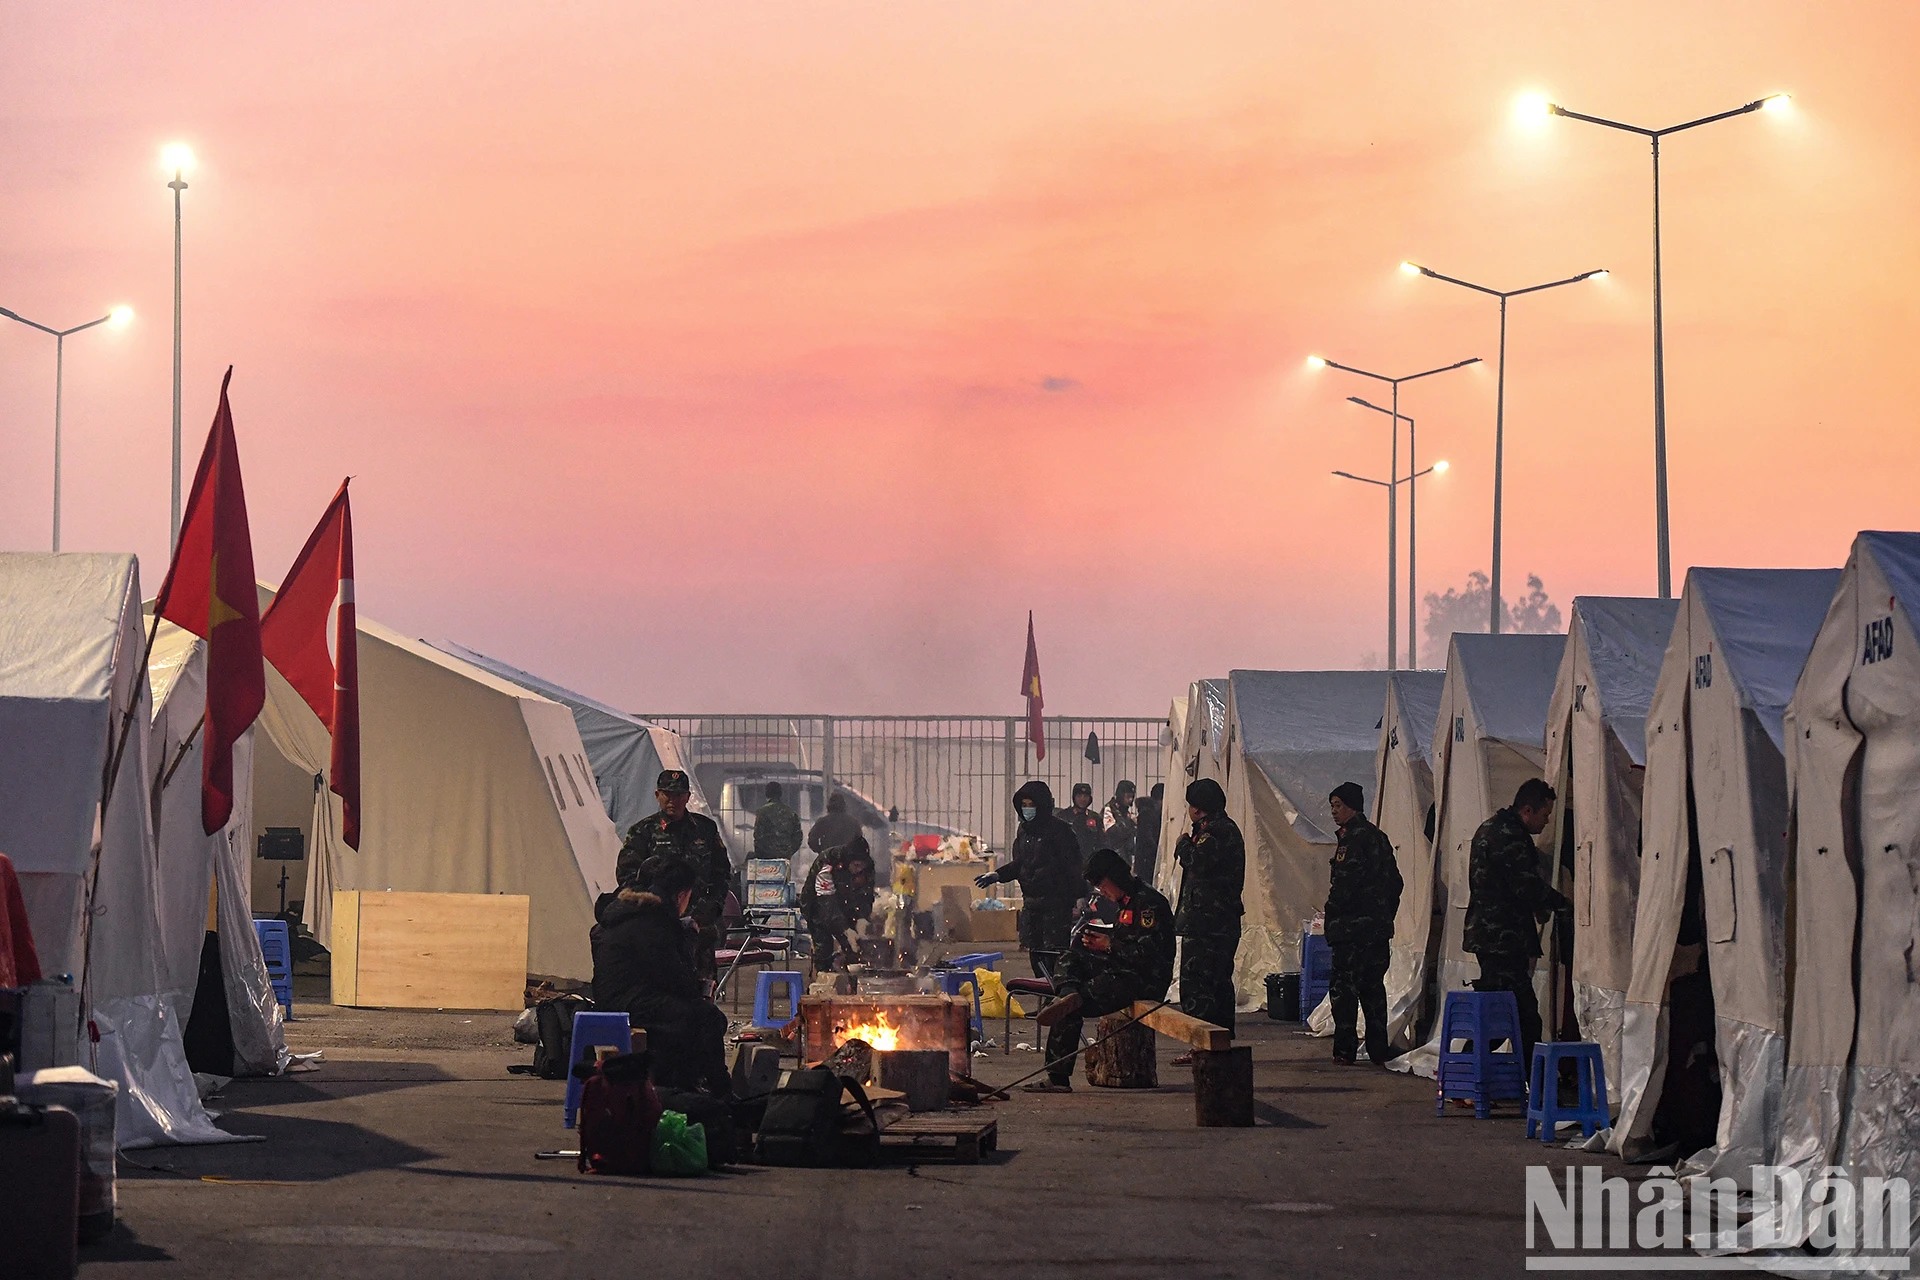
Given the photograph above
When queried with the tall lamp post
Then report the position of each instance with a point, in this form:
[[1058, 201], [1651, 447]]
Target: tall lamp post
[[1500, 399], [1393, 505], [1392, 489], [179, 158], [1540, 107], [118, 316], [1413, 531]]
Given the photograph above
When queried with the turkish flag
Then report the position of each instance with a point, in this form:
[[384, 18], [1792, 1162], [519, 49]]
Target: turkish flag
[[310, 637], [210, 591], [1030, 690]]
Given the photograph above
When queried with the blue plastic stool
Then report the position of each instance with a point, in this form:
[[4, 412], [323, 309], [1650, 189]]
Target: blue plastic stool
[[951, 980], [594, 1031], [1316, 972], [1483, 1019], [763, 996], [1543, 1091], [276, 948], [978, 960]]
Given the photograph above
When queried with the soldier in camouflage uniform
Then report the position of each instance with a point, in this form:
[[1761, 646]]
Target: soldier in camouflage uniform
[[1363, 894], [1509, 902], [693, 839], [776, 828], [1084, 819], [1107, 969], [1213, 861]]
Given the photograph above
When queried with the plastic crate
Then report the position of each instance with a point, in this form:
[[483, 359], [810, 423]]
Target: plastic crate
[[1316, 972], [760, 870]]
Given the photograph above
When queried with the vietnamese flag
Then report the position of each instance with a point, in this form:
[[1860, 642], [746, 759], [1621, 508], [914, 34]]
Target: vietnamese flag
[[210, 591], [1030, 690], [321, 662]]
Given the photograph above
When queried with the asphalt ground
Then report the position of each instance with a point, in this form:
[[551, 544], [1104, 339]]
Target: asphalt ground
[[409, 1153]]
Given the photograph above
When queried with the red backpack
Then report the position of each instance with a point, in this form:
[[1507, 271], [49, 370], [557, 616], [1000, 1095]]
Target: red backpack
[[618, 1110]]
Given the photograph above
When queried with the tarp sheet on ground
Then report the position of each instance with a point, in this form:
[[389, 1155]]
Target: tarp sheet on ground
[[1402, 806], [469, 783], [1715, 812], [70, 673], [1852, 1093], [1292, 737], [625, 752], [1489, 737], [1596, 760]]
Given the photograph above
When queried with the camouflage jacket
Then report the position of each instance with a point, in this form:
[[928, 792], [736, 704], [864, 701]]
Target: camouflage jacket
[[1364, 891], [1509, 899], [1086, 828], [1140, 944], [776, 831], [1213, 861], [693, 840]]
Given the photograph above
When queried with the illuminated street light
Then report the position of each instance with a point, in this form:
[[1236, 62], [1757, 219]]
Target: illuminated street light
[[118, 316]]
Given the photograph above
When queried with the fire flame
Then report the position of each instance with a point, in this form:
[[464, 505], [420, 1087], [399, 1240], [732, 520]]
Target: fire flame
[[880, 1034]]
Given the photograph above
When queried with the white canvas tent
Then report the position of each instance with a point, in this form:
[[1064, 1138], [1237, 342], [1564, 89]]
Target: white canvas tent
[[1198, 725], [1853, 755], [70, 674], [468, 784], [625, 752], [1715, 812], [190, 862], [1489, 737], [1402, 805], [1172, 765], [1292, 737], [1597, 761]]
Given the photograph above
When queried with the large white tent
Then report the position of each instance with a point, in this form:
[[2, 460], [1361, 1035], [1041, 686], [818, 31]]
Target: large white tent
[[1853, 753], [1489, 737], [469, 783], [71, 685], [1197, 724], [1291, 738], [1402, 807], [626, 753], [1597, 761], [1713, 868]]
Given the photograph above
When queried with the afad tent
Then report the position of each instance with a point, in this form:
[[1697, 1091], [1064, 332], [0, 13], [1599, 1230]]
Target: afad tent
[[1597, 761], [1198, 726], [1402, 808], [192, 864], [1703, 1048], [1292, 737], [1489, 737], [70, 676], [468, 784], [625, 752], [1853, 755]]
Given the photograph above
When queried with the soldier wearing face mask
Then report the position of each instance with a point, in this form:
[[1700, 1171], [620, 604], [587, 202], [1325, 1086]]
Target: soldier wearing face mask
[[1046, 864]]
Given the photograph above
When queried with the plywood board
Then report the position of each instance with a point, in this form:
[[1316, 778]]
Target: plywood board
[[430, 950]]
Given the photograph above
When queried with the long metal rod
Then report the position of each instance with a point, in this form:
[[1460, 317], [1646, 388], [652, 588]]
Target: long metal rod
[[1393, 532], [1662, 547], [179, 185], [1413, 533], [1499, 459], [59, 382]]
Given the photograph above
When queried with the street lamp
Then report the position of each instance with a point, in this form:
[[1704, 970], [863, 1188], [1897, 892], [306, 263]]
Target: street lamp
[[1500, 400], [1413, 531], [178, 157], [1538, 108], [1393, 536], [118, 316], [1392, 542]]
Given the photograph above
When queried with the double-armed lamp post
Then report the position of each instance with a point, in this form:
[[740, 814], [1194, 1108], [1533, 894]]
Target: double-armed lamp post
[[117, 316]]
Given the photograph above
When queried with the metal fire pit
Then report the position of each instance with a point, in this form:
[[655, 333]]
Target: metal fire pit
[[923, 1022]]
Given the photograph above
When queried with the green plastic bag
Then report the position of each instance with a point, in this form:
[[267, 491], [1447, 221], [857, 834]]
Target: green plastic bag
[[679, 1148]]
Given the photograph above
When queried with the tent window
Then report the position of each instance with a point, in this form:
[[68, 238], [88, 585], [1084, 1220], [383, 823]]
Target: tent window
[[554, 779], [1717, 881], [1585, 913], [566, 767]]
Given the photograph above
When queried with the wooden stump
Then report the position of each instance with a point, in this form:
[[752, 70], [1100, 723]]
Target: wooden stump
[[921, 1074], [1223, 1088], [1127, 1061]]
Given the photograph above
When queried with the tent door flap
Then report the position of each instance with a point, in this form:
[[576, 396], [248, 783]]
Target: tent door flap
[[1717, 881]]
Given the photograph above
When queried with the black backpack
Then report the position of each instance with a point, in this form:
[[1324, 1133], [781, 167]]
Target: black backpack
[[713, 1115], [553, 1030], [802, 1126]]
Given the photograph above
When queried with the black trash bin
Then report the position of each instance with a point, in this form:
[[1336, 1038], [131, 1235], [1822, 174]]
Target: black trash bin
[[1283, 997]]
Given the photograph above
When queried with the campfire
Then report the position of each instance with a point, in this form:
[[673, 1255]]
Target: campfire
[[887, 1023]]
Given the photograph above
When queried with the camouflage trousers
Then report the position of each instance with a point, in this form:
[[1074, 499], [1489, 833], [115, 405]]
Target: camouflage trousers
[[1358, 987], [1206, 977]]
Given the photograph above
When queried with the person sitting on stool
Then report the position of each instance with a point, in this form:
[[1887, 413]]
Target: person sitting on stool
[[643, 963], [1108, 967]]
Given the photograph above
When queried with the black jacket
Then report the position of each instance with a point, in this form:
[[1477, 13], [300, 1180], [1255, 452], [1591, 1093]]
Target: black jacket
[[832, 830], [848, 892], [642, 957], [1046, 861], [1213, 859], [1088, 828], [1363, 893]]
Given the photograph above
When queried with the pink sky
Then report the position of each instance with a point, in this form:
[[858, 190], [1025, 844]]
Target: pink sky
[[697, 355]]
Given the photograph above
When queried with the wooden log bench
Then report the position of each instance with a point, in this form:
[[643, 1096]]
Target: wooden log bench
[[1222, 1071]]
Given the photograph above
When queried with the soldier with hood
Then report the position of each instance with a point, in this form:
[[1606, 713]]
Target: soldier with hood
[[837, 896], [644, 963], [1046, 864], [1213, 862]]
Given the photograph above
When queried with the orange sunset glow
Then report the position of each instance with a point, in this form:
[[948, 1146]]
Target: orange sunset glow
[[721, 357]]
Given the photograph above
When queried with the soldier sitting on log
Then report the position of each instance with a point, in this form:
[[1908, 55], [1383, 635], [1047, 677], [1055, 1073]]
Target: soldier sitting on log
[[1108, 967]]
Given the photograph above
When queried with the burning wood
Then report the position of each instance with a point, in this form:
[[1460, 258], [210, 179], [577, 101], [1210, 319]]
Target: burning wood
[[887, 1024]]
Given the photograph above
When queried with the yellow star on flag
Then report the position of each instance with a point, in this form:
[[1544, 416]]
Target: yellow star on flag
[[218, 610]]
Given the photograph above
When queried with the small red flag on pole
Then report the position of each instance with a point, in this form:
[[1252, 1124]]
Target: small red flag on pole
[[1030, 690], [210, 591]]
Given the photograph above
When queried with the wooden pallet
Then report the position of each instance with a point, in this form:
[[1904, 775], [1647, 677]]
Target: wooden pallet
[[973, 1135]]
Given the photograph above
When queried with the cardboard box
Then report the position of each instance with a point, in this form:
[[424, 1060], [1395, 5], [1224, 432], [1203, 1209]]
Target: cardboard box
[[430, 950], [993, 926]]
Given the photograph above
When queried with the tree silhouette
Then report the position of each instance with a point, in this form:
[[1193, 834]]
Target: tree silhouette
[[1467, 610]]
